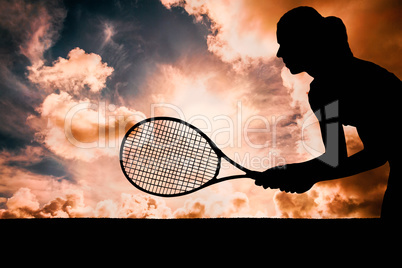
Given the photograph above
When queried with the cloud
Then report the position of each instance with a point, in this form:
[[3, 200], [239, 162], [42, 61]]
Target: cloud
[[232, 205], [247, 42], [73, 123], [28, 29], [34, 25], [142, 206], [83, 126], [23, 199], [108, 32], [18, 171], [228, 39], [24, 204], [170, 3], [358, 196], [78, 125], [74, 74], [226, 98], [81, 129]]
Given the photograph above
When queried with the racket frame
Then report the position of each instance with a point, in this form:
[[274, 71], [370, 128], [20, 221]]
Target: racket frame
[[219, 153]]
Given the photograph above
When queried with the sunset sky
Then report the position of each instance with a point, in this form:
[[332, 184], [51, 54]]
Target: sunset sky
[[75, 75]]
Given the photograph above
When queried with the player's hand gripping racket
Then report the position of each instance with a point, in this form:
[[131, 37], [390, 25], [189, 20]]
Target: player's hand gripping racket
[[166, 156]]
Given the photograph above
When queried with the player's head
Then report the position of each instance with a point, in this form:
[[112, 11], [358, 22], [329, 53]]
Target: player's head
[[308, 39]]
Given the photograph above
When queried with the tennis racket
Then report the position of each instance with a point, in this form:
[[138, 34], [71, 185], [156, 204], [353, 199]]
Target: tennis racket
[[167, 157]]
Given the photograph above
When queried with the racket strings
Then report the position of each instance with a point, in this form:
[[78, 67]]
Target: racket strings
[[167, 157]]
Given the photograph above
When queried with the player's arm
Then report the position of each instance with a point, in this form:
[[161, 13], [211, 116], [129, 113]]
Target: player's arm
[[372, 156], [300, 177]]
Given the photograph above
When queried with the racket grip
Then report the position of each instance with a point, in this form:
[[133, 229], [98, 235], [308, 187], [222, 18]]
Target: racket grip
[[254, 174]]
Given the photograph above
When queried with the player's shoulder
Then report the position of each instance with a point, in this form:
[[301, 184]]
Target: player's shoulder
[[373, 86], [371, 72], [367, 80]]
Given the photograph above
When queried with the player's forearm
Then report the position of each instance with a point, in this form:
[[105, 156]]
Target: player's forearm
[[357, 163]]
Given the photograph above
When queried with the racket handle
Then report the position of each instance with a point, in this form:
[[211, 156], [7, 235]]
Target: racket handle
[[254, 174], [249, 174]]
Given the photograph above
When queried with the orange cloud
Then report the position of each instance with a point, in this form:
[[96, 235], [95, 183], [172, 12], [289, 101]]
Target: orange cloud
[[74, 126], [77, 129], [359, 196], [24, 204], [74, 74], [231, 205]]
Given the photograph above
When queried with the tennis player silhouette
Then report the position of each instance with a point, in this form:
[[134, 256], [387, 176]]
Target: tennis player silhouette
[[365, 96]]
